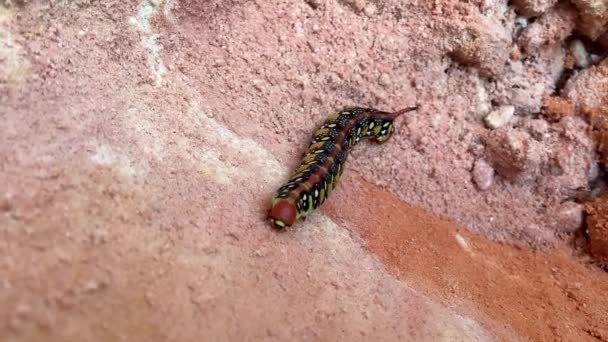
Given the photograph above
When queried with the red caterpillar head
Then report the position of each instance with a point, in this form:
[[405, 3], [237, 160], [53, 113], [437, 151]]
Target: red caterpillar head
[[283, 214]]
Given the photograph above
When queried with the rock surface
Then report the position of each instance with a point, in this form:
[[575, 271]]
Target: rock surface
[[142, 141]]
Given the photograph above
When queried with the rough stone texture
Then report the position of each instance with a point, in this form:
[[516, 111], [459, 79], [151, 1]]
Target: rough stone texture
[[483, 174], [571, 161], [567, 217], [598, 118], [529, 154], [481, 42], [538, 129], [513, 154], [553, 27], [589, 87], [593, 17], [527, 82], [597, 228], [579, 52], [556, 108], [499, 117], [533, 7]]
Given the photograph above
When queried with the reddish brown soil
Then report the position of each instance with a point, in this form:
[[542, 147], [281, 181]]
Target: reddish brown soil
[[545, 296], [597, 222], [556, 108], [598, 118]]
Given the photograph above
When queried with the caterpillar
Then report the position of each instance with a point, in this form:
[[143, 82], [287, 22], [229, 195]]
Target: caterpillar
[[323, 163]]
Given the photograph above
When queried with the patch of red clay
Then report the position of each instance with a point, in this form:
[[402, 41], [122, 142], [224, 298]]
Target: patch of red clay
[[597, 222], [598, 118], [555, 108], [597, 219], [547, 296]]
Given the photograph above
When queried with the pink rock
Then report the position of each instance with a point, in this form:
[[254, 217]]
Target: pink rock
[[483, 43], [537, 128], [513, 153], [552, 27], [593, 17], [570, 161], [566, 217], [483, 174], [590, 86], [533, 7], [524, 84]]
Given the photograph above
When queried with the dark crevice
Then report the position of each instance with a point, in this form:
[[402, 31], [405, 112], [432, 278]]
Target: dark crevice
[[561, 82], [592, 48]]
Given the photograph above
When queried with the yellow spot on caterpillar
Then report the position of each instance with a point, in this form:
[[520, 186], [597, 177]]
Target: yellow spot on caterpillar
[[279, 224], [364, 131], [333, 116], [310, 204], [309, 158]]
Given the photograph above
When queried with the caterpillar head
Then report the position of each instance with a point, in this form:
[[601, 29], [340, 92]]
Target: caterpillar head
[[282, 214]]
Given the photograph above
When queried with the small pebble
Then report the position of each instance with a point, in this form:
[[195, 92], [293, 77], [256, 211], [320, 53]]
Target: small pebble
[[537, 128], [568, 217], [500, 116], [384, 80], [370, 10], [257, 84], [484, 103], [483, 174], [94, 286], [578, 50], [462, 242], [521, 21], [513, 153]]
